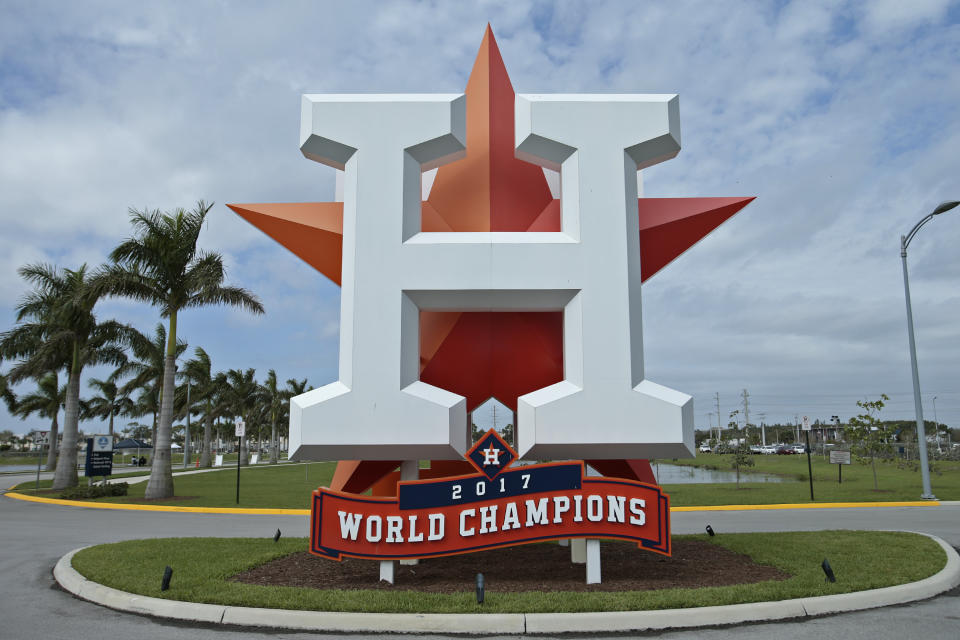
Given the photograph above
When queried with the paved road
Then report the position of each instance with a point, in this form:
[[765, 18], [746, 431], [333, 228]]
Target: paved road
[[34, 536]]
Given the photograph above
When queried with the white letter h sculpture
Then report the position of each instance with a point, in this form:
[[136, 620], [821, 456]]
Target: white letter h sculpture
[[604, 407]]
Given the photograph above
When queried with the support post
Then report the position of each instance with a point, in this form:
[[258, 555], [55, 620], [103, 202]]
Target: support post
[[387, 570], [578, 550], [593, 561]]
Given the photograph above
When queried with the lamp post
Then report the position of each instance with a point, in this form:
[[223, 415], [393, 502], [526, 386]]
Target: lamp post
[[918, 406]]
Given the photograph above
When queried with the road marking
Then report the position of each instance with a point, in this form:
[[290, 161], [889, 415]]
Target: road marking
[[306, 512]]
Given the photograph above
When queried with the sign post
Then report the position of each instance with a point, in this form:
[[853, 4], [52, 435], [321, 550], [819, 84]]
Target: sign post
[[839, 458], [240, 428], [806, 430], [42, 439]]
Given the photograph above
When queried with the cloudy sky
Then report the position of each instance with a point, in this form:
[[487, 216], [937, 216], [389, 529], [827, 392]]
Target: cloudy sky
[[842, 118]]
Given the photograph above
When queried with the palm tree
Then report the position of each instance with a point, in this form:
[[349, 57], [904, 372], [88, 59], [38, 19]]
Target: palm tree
[[112, 401], [7, 394], [160, 265], [200, 375], [275, 399], [146, 369], [56, 320], [241, 394], [46, 402], [294, 388]]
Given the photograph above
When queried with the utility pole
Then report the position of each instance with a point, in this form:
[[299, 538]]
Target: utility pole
[[746, 415], [710, 425], [716, 397]]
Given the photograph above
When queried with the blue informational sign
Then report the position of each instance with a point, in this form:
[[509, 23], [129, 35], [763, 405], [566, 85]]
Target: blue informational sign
[[99, 456]]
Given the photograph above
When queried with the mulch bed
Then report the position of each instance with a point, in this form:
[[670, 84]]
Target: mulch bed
[[534, 567]]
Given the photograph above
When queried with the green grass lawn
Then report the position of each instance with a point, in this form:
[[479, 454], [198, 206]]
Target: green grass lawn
[[895, 484], [273, 487], [202, 568], [290, 486]]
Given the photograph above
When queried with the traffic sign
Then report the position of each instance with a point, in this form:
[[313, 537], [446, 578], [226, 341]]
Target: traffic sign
[[806, 423], [240, 428], [41, 437]]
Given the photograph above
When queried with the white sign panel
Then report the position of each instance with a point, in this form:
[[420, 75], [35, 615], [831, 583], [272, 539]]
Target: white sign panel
[[240, 428], [102, 443], [41, 437], [839, 457], [806, 423]]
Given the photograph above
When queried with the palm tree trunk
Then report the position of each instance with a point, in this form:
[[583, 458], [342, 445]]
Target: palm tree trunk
[[205, 460], [160, 484], [111, 425], [66, 474], [273, 440], [52, 449]]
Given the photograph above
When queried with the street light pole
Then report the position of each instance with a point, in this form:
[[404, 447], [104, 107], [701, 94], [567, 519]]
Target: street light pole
[[918, 405]]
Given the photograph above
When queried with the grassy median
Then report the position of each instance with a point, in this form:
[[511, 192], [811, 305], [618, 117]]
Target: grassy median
[[894, 482], [202, 568]]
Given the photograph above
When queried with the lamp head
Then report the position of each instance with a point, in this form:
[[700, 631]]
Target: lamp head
[[945, 206]]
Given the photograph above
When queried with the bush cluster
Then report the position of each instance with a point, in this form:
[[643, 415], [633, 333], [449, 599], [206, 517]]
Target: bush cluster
[[95, 491]]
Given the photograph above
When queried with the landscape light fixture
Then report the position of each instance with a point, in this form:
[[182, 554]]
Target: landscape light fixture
[[710, 531], [825, 565], [276, 536], [479, 588], [918, 406], [167, 574]]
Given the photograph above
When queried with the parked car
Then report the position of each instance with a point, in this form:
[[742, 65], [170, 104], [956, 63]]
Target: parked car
[[799, 448], [755, 448], [768, 449], [704, 448], [785, 450]]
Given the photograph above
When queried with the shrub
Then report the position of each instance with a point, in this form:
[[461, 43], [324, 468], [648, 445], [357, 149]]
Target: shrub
[[95, 491]]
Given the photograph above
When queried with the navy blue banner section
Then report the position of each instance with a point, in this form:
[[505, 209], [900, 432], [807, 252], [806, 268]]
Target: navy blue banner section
[[477, 488]]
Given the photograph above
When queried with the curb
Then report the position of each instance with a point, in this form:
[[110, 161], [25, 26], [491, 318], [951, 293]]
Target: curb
[[306, 512], [509, 623]]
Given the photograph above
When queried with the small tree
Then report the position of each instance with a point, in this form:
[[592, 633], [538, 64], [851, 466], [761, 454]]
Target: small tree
[[872, 434], [740, 455]]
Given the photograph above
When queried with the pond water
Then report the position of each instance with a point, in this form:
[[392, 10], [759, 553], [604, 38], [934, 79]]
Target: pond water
[[677, 474]]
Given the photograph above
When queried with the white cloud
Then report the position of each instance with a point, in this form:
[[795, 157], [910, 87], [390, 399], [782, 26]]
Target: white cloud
[[841, 119]]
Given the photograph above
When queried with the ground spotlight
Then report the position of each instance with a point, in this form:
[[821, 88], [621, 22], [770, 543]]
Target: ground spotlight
[[828, 571], [276, 536], [710, 531], [167, 574], [479, 588]]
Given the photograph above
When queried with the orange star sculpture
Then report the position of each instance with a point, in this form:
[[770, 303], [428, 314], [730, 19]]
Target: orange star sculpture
[[481, 355]]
